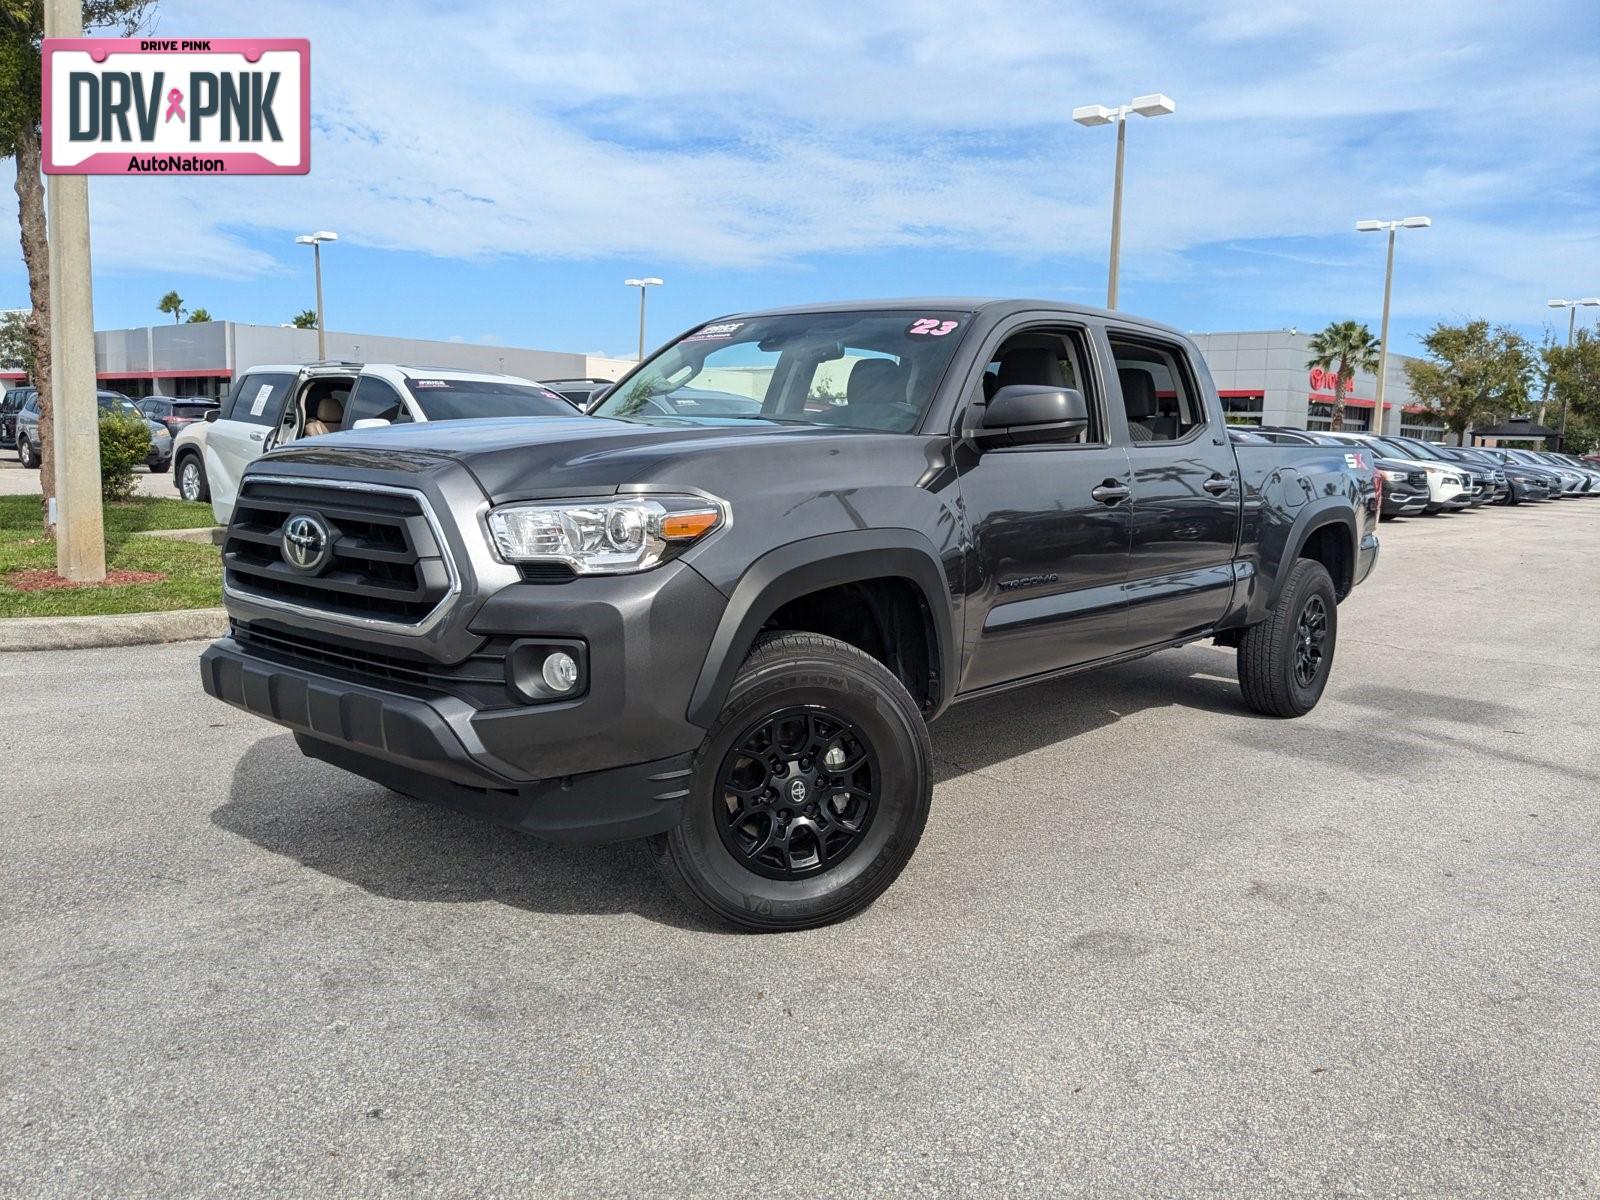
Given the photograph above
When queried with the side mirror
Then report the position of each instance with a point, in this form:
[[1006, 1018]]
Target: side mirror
[[1023, 414], [212, 414], [370, 423]]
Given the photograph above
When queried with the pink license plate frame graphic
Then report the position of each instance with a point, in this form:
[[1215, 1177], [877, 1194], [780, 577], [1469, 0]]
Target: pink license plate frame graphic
[[229, 162]]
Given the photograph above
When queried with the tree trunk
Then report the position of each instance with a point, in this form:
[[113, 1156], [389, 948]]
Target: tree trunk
[[36, 255], [1338, 403]]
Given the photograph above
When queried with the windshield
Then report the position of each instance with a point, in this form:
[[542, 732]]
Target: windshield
[[459, 399], [112, 402], [864, 370]]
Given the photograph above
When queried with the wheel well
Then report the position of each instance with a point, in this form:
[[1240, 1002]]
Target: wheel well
[[1330, 545], [887, 618]]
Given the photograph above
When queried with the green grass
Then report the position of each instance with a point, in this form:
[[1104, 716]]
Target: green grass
[[193, 570]]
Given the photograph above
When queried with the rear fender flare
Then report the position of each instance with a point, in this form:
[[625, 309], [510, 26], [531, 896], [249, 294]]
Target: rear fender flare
[[1330, 510]]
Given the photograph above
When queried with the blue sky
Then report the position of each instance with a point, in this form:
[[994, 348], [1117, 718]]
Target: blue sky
[[495, 172]]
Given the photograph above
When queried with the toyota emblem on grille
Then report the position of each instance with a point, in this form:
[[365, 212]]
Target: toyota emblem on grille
[[306, 543]]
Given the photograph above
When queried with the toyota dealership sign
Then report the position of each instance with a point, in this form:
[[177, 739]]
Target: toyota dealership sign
[[168, 106]]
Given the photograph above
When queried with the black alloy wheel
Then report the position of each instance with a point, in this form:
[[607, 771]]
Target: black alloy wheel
[[798, 790], [1285, 659], [1310, 637], [809, 792]]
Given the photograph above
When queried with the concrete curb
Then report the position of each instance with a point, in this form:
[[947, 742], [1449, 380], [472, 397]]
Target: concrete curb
[[120, 629], [210, 535]]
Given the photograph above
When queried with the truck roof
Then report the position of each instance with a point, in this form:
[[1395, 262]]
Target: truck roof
[[989, 305]]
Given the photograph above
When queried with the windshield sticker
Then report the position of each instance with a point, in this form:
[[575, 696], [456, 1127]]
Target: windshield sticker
[[714, 332], [931, 327], [434, 383], [260, 402]]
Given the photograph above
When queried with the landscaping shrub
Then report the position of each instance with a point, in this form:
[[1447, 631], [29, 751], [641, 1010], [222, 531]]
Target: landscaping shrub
[[124, 444]]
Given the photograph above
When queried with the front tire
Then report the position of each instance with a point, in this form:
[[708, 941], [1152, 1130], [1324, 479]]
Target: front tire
[[28, 456], [809, 793], [1284, 661], [192, 479]]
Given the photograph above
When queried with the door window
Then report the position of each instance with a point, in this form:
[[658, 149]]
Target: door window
[[1158, 394], [258, 399], [1045, 358], [373, 399]]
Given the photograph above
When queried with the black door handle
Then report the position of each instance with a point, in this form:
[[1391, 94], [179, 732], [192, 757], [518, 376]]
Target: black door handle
[[1111, 492], [1217, 485]]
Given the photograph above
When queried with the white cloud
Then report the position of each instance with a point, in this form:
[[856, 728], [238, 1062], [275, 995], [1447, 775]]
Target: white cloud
[[736, 135]]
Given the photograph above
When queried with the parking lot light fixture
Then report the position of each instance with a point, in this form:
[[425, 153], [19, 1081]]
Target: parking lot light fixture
[[1153, 105], [315, 240], [1572, 307], [648, 282], [1378, 413]]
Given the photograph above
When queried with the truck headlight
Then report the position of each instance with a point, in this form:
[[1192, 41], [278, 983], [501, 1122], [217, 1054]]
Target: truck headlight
[[1394, 476], [613, 536]]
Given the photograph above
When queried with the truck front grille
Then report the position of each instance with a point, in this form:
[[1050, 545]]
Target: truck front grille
[[383, 562], [479, 679]]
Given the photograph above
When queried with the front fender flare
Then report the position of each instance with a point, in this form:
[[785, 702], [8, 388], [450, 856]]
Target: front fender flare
[[811, 565]]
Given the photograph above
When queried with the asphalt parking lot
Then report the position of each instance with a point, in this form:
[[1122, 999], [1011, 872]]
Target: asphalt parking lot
[[1151, 943], [17, 480]]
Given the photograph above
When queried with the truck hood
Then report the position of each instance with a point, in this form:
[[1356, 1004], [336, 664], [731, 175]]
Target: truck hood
[[528, 457]]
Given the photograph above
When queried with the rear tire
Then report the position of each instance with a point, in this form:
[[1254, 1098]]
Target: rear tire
[[809, 793], [28, 456], [1284, 661]]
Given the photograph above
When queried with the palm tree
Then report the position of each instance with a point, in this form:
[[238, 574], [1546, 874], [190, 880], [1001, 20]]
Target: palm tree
[[306, 318], [1344, 347], [172, 303], [198, 315]]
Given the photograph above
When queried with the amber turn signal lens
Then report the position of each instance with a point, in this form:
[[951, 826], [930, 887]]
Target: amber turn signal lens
[[686, 526]]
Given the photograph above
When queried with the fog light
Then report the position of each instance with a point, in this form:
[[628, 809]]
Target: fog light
[[560, 672]]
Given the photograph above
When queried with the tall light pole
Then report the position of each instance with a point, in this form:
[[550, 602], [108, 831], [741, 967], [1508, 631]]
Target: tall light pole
[[1153, 105], [649, 281], [315, 240], [1378, 412], [74, 413], [1572, 319]]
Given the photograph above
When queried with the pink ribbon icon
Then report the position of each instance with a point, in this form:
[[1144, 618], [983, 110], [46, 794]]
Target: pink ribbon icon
[[174, 106]]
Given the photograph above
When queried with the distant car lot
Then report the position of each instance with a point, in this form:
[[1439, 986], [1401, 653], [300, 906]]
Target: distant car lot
[[1150, 944]]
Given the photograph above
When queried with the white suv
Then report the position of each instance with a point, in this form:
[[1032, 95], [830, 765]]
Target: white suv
[[1449, 486], [274, 405]]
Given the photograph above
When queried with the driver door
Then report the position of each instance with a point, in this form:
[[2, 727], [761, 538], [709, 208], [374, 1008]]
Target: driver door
[[254, 409]]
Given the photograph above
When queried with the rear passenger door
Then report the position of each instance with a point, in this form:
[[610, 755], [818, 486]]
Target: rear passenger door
[[1185, 487], [237, 437]]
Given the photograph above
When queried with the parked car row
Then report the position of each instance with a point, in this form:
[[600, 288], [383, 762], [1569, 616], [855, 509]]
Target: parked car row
[[1427, 477], [19, 426]]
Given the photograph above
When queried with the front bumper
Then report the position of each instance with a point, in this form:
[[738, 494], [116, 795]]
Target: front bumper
[[429, 748]]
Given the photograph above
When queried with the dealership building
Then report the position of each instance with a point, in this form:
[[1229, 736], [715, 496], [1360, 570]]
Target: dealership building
[[202, 359], [1263, 379]]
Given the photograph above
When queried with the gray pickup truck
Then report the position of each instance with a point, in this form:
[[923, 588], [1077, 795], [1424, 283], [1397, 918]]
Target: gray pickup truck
[[719, 611]]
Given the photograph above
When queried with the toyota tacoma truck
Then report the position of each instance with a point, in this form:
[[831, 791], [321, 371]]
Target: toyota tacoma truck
[[724, 628]]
